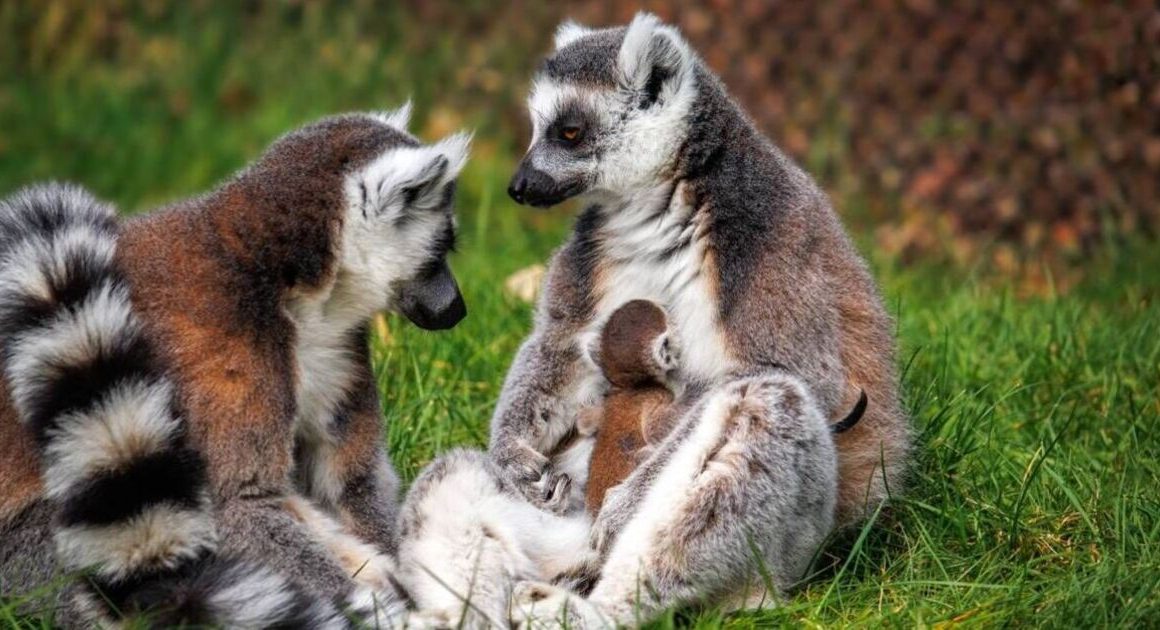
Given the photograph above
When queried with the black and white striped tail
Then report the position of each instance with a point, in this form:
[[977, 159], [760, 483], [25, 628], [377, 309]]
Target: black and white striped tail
[[134, 515]]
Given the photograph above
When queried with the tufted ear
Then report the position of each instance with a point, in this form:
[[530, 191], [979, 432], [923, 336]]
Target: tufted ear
[[434, 167], [399, 118], [654, 60], [569, 31]]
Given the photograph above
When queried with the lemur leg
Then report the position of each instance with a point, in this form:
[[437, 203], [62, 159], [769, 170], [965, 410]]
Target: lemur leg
[[468, 536], [744, 487]]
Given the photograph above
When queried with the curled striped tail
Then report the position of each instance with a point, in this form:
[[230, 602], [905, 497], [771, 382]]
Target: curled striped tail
[[133, 511]]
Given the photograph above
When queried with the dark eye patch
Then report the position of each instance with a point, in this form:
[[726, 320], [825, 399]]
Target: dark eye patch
[[572, 127], [446, 197], [441, 247]]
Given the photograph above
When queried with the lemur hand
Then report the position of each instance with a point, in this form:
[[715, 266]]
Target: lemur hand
[[530, 472]]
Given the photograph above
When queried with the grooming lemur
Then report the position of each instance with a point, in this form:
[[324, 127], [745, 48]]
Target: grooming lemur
[[196, 381], [779, 318]]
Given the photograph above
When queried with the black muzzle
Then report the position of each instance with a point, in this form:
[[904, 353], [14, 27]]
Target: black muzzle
[[433, 301]]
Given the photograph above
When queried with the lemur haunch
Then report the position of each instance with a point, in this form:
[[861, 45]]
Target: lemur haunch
[[780, 322], [197, 380]]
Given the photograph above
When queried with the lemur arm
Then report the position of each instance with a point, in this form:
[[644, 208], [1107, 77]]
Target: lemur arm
[[534, 414], [538, 405]]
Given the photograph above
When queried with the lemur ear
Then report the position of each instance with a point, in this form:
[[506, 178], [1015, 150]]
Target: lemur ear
[[569, 31], [654, 60], [455, 148], [419, 191], [399, 118], [440, 165]]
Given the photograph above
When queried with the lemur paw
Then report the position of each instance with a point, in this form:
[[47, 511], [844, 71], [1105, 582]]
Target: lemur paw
[[537, 606], [554, 492], [522, 464]]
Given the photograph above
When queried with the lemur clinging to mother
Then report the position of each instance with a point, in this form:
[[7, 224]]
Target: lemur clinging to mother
[[196, 385], [779, 319]]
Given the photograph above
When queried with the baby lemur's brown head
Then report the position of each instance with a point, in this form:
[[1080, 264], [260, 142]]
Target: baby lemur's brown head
[[628, 344]]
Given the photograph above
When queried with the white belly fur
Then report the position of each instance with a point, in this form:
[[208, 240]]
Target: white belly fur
[[682, 284]]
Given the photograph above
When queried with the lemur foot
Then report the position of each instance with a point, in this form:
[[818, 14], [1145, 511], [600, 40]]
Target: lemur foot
[[537, 606]]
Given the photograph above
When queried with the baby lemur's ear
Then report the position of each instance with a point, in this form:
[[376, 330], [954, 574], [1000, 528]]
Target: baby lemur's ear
[[431, 169], [654, 60], [589, 343]]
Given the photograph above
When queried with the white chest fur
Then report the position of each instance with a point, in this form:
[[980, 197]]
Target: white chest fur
[[325, 363], [665, 260]]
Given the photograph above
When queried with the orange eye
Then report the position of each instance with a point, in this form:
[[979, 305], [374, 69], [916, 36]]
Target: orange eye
[[570, 133]]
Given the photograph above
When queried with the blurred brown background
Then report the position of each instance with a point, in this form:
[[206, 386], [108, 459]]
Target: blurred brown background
[[966, 128], [1018, 136]]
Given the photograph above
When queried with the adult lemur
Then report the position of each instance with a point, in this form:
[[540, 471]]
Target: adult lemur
[[777, 315], [183, 389]]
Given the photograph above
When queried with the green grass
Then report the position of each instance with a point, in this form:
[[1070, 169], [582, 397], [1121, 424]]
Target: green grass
[[1033, 498]]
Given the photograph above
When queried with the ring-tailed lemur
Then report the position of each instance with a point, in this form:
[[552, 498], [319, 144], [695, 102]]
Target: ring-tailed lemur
[[253, 302], [692, 208]]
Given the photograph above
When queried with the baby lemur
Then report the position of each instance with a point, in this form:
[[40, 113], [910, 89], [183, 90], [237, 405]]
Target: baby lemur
[[635, 352], [196, 384]]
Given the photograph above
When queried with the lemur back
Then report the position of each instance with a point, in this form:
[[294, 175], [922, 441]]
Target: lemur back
[[85, 387]]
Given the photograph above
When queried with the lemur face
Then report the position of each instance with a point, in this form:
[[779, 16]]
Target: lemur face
[[392, 211], [609, 112], [400, 227]]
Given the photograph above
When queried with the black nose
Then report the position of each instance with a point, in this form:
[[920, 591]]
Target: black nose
[[443, 318], [536, 188], [518, 185], [433, 301]]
